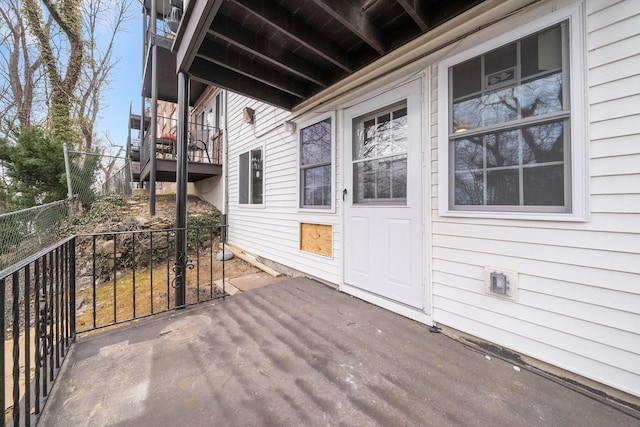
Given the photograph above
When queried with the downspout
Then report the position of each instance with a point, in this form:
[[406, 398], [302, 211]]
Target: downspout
[[225, 171], [141, 135]]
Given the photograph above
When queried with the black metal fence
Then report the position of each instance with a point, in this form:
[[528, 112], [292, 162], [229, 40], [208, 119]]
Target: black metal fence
[[37, 296], [128, 275], [204, 143], [85, 283]]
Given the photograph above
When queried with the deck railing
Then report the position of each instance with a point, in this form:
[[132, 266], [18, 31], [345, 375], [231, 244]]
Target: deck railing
[[204, 143], [88, 282], [37, 296], [128, 275]]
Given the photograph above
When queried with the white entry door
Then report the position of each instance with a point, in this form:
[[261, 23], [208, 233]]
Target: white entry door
[[383, 191]]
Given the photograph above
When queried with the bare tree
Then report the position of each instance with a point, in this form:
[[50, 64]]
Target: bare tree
[[99, 17], [21, 69], [62, 58]]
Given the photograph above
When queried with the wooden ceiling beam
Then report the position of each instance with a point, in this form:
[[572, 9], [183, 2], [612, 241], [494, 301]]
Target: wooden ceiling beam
[[296, 30], [415, 9], [231, 60], [352, 18], [201, 70], [256, 45]]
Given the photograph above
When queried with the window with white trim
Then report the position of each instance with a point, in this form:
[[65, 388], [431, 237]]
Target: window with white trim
[[316, 169], [251, 177], [509, 126]]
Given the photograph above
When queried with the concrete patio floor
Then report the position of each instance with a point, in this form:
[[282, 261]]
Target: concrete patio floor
[[296, 353]]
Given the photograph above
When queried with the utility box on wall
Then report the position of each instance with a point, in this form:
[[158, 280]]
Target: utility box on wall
[[500, 282]]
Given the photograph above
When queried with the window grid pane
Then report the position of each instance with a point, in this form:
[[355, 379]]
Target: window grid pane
[[379, 153], [517, 165], [500, 168], [315, 161]]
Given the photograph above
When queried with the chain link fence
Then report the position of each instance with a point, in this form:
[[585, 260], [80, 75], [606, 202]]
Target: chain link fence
[[95, 174], [25, 232]]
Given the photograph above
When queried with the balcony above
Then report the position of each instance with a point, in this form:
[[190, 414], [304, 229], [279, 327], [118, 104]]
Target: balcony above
[[166, 78], [284, 52], [204, 151]]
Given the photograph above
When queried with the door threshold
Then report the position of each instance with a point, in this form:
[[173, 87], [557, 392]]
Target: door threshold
[[412, 313]]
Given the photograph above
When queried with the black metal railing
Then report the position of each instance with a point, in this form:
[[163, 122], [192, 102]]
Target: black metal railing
[[85, 283], [134, 150], [204, 143], [38, 300], [129, 275]]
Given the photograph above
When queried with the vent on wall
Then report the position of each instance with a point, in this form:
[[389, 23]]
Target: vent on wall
[[500, 282]]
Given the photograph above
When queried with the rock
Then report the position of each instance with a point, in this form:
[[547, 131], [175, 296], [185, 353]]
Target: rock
[[226, 255], [105, 247], [84, 282]]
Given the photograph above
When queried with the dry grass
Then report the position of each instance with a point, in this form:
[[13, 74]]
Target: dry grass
[[151, 291]]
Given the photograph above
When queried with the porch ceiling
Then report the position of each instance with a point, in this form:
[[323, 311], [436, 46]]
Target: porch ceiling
[[285, 51]]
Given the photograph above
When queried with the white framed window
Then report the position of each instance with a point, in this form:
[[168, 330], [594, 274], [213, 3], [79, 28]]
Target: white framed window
[[316, 144], [511, 124], [251, 177]]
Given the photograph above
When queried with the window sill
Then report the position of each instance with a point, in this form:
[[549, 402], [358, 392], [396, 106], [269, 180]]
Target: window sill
[[250, 206], [328, 211], [524, 216]]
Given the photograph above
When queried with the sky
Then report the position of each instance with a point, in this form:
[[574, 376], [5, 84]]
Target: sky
[[126, 83]]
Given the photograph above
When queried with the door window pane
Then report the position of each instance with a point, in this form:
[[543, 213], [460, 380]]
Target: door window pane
[[380, 156]]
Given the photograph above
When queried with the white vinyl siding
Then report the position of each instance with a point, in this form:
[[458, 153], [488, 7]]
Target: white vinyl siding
[[579, 282], [272, 231]]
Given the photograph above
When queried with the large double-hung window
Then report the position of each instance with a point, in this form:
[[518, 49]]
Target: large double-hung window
[[509, 126]]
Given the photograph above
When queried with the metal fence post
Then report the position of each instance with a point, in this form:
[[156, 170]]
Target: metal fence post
[[67, 166]]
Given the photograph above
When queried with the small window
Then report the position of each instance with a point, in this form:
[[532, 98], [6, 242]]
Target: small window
[[316, 170], [509, 127], [251, 177]]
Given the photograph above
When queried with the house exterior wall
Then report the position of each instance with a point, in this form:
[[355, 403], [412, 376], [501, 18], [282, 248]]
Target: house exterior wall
[[272, 229], [211, 189], [578, 280]]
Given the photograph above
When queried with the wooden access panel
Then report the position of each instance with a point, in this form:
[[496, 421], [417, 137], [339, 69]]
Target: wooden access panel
[[316, 238]]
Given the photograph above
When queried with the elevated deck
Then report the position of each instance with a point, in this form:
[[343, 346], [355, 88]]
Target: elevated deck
[[166, 171], [298, 353]]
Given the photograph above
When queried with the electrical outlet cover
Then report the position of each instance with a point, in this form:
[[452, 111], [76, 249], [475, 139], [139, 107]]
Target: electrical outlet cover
[[500, 282]]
